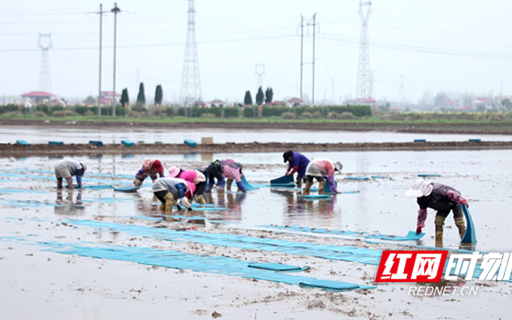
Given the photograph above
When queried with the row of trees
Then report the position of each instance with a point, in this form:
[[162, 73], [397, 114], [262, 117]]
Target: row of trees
[[141, 97], [268, 97], [194, 112]]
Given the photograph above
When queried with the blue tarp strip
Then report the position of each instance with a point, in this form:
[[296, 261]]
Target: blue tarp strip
[[180, 260], [345, 253]]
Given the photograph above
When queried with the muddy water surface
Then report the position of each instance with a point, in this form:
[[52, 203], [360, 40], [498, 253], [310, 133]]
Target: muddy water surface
[[483, 177]]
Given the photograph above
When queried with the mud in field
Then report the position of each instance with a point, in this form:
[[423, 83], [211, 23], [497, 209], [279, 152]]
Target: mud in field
[[58, 285]]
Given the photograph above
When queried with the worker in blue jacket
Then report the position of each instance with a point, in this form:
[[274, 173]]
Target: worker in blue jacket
[[297, 162]]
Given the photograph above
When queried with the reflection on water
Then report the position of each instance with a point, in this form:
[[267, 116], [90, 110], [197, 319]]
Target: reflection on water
[[69, 205]]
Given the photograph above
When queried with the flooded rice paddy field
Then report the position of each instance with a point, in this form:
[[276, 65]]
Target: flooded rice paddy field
[[51, 242], [80, 135]]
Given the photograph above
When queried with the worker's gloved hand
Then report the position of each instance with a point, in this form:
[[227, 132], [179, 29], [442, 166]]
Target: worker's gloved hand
[[418, 230], [179, 208], [465, 202]]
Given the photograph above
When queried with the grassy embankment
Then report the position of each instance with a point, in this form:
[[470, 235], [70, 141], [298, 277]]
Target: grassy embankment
[[438, 122]]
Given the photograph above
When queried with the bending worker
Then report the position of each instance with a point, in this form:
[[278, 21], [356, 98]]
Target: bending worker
[[441, 198], [297, 162], [172, 191], [67, 169], [220, 169], [150, 168], [196, 177], [322, 169]]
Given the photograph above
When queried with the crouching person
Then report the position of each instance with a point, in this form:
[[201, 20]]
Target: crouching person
[[196, 177], [171, 191]]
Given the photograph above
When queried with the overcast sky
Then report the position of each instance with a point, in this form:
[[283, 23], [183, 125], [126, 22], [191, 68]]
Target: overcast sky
[[429, 46]]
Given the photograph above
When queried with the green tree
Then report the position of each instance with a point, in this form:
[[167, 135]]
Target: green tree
[[248, 98], [124, 98], [159, 95], [141, 97], [507, 104], [259, 97], [269, 95]]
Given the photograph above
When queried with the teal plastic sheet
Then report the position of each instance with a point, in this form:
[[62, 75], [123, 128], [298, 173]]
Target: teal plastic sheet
[[379, 177], [357, 178], [345, 253], [127, 189], [180, 260], [411, 235], [98, 187], [247, 185], [317, 196], [328, 285], [199, 263], [313, 230], [428, 175], [276, 267], [10, 191], [470, 235], [282, 180]]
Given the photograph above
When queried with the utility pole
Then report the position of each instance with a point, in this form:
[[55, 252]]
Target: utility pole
[[301, 51], [311, 22], [313, 90], [101, 46], [115, 10]]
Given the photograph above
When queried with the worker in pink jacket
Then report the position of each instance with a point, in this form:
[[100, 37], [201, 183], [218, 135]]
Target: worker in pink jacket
[[196, 177], [221, 169], [322, 170]]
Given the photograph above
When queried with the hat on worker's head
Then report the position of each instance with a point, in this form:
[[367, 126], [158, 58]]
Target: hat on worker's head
[[174, 172], [84, 167], [287, 154], [338, 166], [158, 166], [420, 188]]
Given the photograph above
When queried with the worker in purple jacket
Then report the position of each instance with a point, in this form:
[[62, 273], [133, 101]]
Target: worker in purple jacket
[[297, 162], [441, 198]]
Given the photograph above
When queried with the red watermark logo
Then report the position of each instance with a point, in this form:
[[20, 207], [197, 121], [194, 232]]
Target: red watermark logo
[[411, 266]]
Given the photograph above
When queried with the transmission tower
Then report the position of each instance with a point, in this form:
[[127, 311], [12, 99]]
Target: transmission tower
[[45, 80], [260, 71], [190, 81], [401, 93], [363, 70]]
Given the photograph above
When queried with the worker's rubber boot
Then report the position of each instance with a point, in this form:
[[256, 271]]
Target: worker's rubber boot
[[299, 182], [460, 223], [321, 187], [169, 201], [209, 187], [307, 187], [228, 184], [200, 199], [439, 223]]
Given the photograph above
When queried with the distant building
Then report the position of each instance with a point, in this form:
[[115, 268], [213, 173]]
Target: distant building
[[479, 102], [41, 97], [361, 102], [217, 102], [107, 97], [295, 102]]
